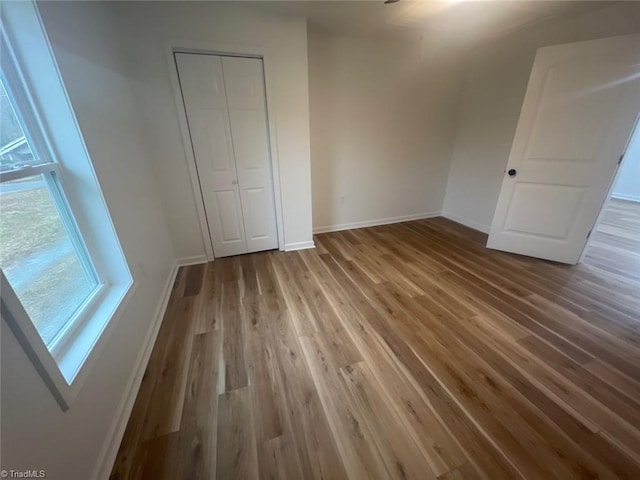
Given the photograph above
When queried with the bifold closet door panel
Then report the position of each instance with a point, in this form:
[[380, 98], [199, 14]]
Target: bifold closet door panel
[[244, 81], [203, 91]]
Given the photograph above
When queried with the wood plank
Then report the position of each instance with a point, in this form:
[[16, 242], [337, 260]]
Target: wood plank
[[357, 449], [236, 455], [233, 343], [193, 280], [314, 444], [264, 376], [209, 302], [164, 413], [198, 428], [399, 452], [276, 461]]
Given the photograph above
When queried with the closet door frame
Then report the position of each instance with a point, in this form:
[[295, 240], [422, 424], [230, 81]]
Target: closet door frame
[[181, 46]]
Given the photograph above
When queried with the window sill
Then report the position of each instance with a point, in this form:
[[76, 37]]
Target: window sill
[[66, 373], [74, 358]]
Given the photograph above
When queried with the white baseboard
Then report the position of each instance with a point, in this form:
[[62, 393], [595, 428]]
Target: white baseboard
[[109, 450], [467, 223], [374, 223], [629, 198], [290, 247], [194, 260]]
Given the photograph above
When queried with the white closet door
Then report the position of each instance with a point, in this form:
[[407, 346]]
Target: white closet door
[[244, 81], [230, 145]]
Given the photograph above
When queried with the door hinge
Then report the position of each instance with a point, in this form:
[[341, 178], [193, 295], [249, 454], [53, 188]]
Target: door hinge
[[620, 159], [589, 234]]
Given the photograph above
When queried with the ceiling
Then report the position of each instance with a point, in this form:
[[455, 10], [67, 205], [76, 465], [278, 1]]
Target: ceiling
[[451, 20]]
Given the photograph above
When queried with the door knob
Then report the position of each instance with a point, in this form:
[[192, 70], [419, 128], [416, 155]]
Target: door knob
[[234, 182], [512, 172]]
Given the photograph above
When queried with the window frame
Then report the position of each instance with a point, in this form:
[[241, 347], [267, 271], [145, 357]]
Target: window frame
[[49, 173], [49, 168], [31, 75]]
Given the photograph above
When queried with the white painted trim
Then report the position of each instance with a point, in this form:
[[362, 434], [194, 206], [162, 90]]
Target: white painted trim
[[375, 223], [467, 223], [290, 247], [110, 447], [193, 260], [610, 193], [191, 46], [628, 198]]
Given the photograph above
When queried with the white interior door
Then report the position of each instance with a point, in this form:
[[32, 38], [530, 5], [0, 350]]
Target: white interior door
[[579, 111], [229, 137], [244, 80]]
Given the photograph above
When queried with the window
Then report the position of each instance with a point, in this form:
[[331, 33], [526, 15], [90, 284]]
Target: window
[[63, 274], [41, 252]]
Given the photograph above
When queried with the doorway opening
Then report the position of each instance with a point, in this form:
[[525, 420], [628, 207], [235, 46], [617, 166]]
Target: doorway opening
[[614, 243]]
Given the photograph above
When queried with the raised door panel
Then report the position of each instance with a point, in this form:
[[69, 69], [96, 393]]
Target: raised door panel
[[250, 142], [560, 203], [213, 125], [228, 206], [575, 111], [256, 211]]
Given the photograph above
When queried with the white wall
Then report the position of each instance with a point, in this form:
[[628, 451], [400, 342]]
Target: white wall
[[495, 85], [36, 433], [627, 184], [144, 29], [382, 129]]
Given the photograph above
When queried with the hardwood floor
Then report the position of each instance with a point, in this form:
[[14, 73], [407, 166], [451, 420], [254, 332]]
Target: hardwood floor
[[401, 351], [615, 246]]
